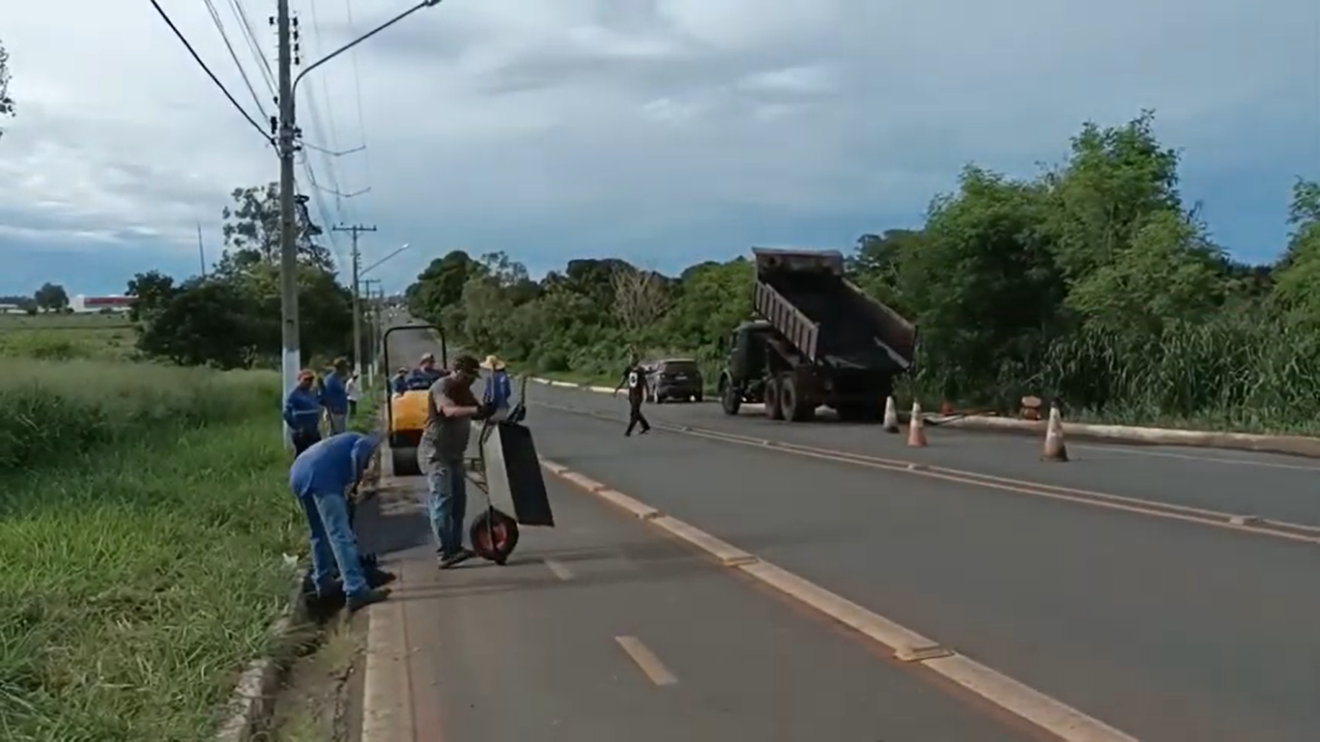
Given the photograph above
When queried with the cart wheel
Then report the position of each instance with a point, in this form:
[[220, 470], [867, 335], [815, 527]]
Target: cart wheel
[[493, 535]]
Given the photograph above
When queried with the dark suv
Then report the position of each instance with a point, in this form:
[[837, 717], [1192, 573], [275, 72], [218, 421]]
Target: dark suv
[[674, 378]]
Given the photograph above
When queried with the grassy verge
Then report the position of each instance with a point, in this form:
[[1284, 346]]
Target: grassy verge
[[141, 536], [65, 337]]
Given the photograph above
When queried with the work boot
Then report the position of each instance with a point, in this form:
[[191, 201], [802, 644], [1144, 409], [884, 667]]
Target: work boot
[[374, 595], [457, 558], [379, 578]]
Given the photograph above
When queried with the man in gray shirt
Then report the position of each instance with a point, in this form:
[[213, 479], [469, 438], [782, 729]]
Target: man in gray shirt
[[451, 408]]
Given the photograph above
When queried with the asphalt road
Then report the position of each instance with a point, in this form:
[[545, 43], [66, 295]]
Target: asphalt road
[[1271, 486], [1164, 629], [603, 630]]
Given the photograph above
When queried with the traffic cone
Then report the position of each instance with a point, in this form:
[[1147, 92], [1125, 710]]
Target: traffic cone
[[916, 428], [891, 416], [1054, 450]]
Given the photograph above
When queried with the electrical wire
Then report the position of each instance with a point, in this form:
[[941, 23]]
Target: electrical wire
[[250, 35], [357, 89], [242, 71], [187, 45]]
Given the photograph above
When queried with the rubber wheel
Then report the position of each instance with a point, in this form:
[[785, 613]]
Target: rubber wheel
[[698, 397], [773, 407], [494, 535], [730, 398], [793, 406], [404, 461]]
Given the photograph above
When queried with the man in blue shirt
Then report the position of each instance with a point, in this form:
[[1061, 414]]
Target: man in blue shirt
[[425, 374], [302, 412], [497, 388], [400, 382], [321, 478], [335, 396]]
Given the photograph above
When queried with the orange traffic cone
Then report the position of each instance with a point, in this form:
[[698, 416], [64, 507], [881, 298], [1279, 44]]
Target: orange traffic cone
[[1054, 450], [891, 416], [916, 428]]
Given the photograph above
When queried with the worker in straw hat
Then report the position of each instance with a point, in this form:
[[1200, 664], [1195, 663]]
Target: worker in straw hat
[[498, 389]]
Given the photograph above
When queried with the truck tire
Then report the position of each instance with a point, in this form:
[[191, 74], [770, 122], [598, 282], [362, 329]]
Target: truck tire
[[730, 397], [793, 406], [773, 410]]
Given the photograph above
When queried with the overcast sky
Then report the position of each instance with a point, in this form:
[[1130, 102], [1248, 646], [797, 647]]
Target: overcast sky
[[662, 131]]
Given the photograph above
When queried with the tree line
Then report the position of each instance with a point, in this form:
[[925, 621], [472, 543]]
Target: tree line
[[1092, 284], [51, 297], [230, 317]]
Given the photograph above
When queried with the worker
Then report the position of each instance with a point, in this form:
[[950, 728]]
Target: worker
[[335, 396], [450, 410], [399, 384], [425, 374], [498, 390], [634, 377], [302, 412], [353, 390], [321, 478]]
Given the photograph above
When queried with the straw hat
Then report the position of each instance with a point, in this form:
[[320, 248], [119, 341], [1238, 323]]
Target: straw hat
[[493, 363]]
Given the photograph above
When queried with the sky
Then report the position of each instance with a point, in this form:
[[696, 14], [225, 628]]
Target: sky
[[661, 131]]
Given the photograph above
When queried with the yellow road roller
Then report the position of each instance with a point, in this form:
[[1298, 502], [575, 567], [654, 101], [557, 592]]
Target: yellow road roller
[[406, 413]]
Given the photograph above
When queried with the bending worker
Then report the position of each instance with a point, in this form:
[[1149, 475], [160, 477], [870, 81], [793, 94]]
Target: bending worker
[[321, 478], [302, 412], [634, 377]]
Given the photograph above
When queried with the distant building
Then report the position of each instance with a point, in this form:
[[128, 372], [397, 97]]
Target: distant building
[[91, 304], [11, 309]]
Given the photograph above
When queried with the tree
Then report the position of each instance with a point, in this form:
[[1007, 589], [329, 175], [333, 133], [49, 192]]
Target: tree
[[640, 299], [150, 291], [252, 231], [206, 322], [51, 297], [6, 102]]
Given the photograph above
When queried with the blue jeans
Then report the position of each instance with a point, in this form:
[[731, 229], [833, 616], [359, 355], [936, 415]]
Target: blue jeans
[[447, 503], [334, 548]]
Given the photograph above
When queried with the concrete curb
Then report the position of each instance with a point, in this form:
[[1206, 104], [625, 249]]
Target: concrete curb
[[1294, 445], [1286, 444], [908, 646], [254, 694]]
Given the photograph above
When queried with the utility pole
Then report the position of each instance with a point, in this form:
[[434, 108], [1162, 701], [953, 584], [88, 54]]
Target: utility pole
[[286, 135], [355, 230], [201, 251], [373, 328]]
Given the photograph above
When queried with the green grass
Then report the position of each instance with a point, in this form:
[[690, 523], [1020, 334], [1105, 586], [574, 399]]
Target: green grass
[[141, 542], [67, 336]]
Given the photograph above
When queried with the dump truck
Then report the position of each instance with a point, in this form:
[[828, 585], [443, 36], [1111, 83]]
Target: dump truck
[[817, 340]]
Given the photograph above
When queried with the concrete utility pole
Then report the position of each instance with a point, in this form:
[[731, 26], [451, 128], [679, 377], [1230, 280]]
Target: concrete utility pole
[[373, 329], [355, 231], [286, 136]]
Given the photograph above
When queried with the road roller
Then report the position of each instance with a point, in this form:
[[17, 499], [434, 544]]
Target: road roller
[[406, 413]]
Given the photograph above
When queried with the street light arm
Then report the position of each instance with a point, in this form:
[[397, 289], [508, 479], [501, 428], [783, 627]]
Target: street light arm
[[367, 270], [362, 38]]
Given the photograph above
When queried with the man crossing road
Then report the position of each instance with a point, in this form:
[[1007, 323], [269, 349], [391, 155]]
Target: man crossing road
[[634, 377]]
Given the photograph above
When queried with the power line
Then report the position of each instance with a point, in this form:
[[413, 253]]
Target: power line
[[242, 71], [357, 87], [165, 16], [250, 35]]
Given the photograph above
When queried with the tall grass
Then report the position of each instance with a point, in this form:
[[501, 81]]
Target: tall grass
[[50, 411], [143, 518]]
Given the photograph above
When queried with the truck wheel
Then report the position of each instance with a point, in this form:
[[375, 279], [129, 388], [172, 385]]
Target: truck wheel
[[730, 398], [773, 410], [698, 397], [792, 405]]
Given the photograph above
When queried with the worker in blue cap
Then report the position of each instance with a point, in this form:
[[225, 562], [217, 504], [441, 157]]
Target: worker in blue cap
[[322, 477]]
